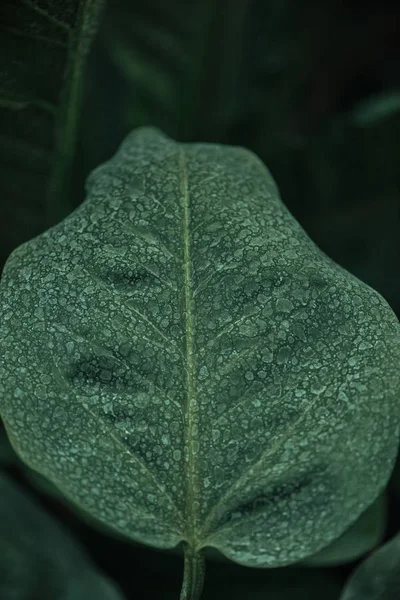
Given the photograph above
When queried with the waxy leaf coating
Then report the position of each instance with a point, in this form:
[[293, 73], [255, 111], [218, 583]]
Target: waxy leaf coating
[[183, 362]]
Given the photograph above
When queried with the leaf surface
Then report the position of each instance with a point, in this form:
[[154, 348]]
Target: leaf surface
[[183, 362], [38, 558], [43, 49]]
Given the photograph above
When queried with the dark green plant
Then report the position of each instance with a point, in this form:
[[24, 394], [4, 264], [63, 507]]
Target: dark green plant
[[181, 366], [38, 556]]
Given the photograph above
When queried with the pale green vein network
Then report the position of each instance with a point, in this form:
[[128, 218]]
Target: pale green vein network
[[130, 307], [106, 428], [190, 371], [89, 300], [268, 452], [219, 269], [120, 443], [103, 351]]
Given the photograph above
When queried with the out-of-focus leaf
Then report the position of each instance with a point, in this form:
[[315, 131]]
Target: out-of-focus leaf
[[378, 577], [373, 110], [182, 62], [361, 537], [38, 559], [351, 179], [43, 50]]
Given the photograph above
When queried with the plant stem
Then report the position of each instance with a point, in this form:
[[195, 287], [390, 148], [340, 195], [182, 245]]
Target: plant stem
[[193, 576], [59, 203]]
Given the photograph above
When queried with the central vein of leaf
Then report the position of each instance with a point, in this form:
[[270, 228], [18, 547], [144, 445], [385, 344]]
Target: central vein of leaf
[[190, 372]]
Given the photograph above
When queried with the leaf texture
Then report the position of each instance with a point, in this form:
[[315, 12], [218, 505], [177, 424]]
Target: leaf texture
[[183, 362]]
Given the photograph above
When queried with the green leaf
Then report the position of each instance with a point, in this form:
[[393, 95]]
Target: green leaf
[[43, 50], [376, 109], [183, 362], [361, 537], [39, 559], [378, 577]]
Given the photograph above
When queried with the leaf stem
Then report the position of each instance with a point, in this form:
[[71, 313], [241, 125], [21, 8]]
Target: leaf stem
[[193, 576], [80, 39]]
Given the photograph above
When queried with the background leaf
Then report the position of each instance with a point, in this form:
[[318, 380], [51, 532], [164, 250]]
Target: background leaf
[[43, 50], [361, 537], [39, 559], [179, 62], [377, 109], [179, 66], [378, 577]]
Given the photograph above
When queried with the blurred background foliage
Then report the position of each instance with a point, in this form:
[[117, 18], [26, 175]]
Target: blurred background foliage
[[313, 88]]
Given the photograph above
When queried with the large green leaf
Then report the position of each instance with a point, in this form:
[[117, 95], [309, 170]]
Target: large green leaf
[[183, 362], [43, 50], [39, 559], [378, 577]]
